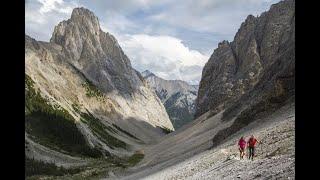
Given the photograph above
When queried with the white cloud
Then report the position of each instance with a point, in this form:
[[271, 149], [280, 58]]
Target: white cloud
[[48, 5], [56, 5], [116, 23], [166, 56], [216, 16], [172, 27], [42, 15]]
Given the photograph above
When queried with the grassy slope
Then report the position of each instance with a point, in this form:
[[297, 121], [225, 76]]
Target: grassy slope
[[35, 167], [52, 126], [101, 131]]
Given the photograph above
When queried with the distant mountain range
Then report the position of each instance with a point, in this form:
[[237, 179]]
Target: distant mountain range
[[177, 96]]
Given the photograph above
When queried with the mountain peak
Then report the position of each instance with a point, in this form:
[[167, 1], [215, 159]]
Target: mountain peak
[[83, 12], [250, 61], [82, 27], [147, 73]]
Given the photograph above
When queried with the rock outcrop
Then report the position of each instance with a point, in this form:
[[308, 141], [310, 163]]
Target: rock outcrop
[[261, 55], [177, 96], [95, 53]]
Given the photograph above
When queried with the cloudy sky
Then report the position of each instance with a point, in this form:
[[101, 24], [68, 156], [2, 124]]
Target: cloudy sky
[[172, 38]]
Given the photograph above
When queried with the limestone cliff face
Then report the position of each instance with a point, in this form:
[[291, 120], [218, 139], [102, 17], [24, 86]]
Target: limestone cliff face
[[95, 53], [83, 70], [99, 57], [262, 45]]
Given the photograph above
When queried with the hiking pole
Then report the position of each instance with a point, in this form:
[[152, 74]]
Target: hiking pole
[[247, 152], [260, 143]]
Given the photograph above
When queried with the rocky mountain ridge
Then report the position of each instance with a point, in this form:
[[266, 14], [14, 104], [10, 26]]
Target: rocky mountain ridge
[[95, 53], [177, 96], [82, 82], [236, 67]]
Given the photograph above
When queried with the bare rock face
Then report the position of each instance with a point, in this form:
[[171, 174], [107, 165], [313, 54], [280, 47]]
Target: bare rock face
[[177, 96], [95, 53], [262, 48], [98, 56]]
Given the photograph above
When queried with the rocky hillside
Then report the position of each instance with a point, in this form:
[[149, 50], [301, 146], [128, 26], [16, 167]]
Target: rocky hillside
[[247, 87], [177, 96], [261, 56], [84, 99], [194, 159]]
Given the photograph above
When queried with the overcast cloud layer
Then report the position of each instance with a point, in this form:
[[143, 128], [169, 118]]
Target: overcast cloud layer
[[173, 39]]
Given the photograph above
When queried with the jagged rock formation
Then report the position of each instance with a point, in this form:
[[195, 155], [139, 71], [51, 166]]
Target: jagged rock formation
[[177, 96], [262, 52], [82, 90], [95, 53]]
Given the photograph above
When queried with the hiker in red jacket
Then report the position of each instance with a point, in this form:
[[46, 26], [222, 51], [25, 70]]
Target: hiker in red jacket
[[242, 145], [252, 143]]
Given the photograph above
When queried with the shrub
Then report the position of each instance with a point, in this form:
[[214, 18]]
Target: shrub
[[35, 167], [135, 158], [92, 90]]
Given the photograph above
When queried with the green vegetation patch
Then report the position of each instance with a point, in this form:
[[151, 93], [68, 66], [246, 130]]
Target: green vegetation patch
[[34, 167], [53, 127], [76, 108], [135, 158], [92, 90], [130, 161], [100, 130]]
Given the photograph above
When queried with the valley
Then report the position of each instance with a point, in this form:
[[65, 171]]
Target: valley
[[90, 115]]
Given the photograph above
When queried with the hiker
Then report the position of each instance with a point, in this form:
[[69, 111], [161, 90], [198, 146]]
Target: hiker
[[242, 145], [252, 143]]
